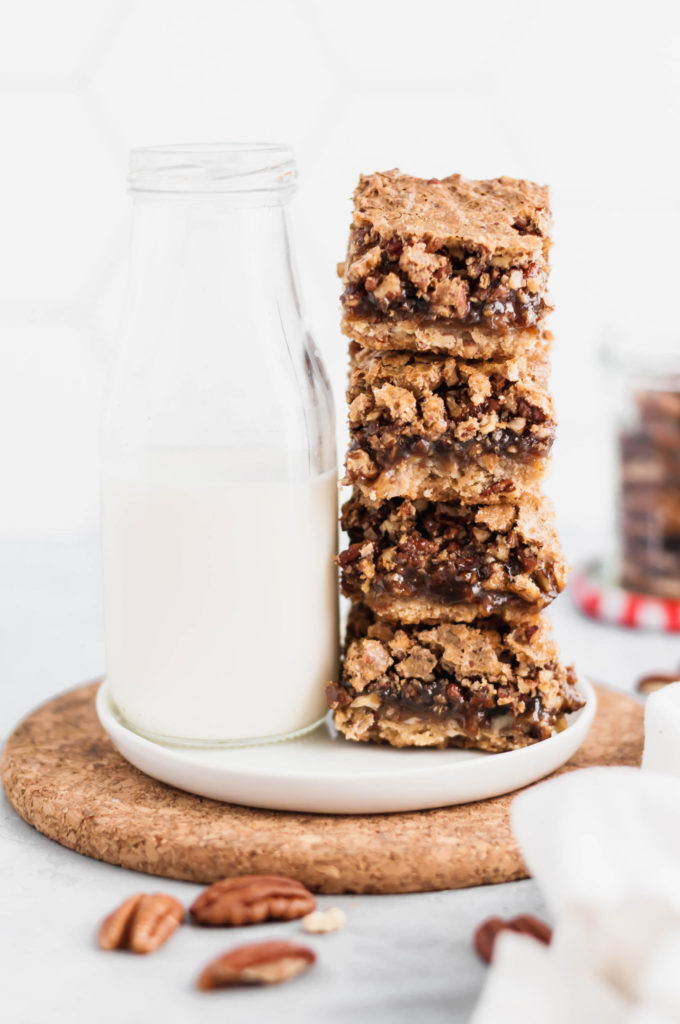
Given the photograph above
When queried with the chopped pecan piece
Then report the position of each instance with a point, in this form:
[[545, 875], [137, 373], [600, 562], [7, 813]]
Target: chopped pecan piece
[[524, 924], [321, 921], [251, 899], [422, 267], [387, 290], [262, 963], [363, 265], [142, 923]]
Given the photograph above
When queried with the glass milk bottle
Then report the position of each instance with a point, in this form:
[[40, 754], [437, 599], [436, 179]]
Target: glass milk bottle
[[219, 492]]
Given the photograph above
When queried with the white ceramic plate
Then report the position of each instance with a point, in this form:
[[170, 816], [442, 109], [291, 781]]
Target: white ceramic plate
[[323, 773]]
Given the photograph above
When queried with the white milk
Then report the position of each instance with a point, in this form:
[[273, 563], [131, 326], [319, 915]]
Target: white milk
[[220, 597]]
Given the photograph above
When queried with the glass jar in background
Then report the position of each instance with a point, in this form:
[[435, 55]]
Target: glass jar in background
[[219, 484], [646, 388]]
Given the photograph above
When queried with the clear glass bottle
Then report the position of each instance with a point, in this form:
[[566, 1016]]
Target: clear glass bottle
[[644, 378], [219, 484]]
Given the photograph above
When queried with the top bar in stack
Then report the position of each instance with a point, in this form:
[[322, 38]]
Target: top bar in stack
[[447, 265]]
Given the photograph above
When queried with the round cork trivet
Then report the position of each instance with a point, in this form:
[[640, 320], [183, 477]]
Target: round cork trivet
[[64, 776]]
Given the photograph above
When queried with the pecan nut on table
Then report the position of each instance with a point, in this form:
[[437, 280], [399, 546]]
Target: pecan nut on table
[[142, 923], [252, 899], [524, 924], [260, 963]]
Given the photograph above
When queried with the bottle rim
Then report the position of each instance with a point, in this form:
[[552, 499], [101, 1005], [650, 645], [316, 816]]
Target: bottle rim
[[237, 168]]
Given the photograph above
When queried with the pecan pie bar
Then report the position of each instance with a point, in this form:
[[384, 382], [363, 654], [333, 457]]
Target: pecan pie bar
[[496, 687], [424, 413], [469, 257], [427, 562]]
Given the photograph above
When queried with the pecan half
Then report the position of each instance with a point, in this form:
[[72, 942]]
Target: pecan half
[[251, 899], [524, 924], [656, 681], [262, 963], [142, 923]]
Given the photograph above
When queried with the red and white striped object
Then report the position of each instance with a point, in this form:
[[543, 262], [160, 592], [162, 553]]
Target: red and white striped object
[[599, 599]]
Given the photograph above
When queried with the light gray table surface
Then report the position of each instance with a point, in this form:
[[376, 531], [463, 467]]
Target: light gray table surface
[[400, 958]]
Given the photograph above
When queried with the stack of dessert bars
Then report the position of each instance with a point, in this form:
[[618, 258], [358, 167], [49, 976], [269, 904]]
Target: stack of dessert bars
[[453, 554]]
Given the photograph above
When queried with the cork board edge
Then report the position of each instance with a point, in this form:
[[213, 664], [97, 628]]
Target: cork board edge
[[333, 870]]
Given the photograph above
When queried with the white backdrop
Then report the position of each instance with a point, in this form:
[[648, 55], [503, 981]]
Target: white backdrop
[[583, 96]]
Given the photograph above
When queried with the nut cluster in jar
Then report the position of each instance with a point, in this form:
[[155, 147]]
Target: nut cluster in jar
[[649, 510]]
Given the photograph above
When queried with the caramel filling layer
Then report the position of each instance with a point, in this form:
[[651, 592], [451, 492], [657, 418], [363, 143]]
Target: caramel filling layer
[[412, 279]]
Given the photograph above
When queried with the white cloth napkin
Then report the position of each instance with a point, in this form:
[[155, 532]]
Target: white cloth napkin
[[662, 731], [603, 845]]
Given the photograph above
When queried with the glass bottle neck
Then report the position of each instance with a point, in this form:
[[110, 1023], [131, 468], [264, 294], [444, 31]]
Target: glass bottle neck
[[213, 349], [194, 254]]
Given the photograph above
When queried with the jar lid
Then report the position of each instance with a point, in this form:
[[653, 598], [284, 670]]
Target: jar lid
[[642, 352]]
